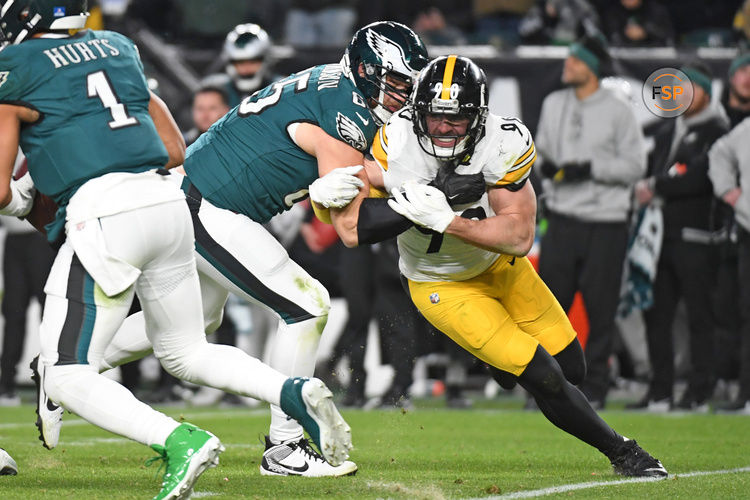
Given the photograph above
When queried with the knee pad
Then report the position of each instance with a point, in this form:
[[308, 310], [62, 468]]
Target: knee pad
[[59, 378], [572, 362], [543, 375], [179, 364]]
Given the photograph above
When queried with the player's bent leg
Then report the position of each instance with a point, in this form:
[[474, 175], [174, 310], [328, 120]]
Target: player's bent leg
[[537, 312], [264, 274], [566, 407], [572, 361]]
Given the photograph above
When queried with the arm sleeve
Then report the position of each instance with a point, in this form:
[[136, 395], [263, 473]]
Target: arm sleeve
[[378, 222], [628, 164]]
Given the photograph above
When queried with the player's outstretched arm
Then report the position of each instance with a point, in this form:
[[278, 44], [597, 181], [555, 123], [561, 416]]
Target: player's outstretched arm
[[168, 131], [332, 153], [510, 230]]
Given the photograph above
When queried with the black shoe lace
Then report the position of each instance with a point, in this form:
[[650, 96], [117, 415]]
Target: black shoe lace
[[304, 445]]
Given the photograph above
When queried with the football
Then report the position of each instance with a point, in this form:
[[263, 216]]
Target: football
[[42, 212]]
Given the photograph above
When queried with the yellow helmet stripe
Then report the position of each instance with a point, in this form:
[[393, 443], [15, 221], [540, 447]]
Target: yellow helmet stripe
[[448, 77]]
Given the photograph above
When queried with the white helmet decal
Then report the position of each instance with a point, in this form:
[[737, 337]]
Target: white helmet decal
[[389, 52]]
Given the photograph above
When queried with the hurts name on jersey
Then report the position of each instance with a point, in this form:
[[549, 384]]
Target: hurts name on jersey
[[78, 52]]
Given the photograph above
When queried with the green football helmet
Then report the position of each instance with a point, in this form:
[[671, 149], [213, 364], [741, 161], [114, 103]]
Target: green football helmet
[[384, 59], [20, 19]]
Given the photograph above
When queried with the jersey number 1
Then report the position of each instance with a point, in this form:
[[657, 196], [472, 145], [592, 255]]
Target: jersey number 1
[[98, 85]]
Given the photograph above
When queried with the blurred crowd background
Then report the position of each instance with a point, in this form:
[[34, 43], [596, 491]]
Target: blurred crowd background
[[204, 56]]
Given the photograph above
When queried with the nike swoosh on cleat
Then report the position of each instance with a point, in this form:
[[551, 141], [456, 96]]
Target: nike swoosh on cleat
[[294, 468]]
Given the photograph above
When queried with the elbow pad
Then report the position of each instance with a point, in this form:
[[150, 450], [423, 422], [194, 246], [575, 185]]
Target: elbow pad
[[378, 222]]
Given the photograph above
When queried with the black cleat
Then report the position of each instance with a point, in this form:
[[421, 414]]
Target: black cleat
[[633, 461]]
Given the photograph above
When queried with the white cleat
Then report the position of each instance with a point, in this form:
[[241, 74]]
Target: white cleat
[[49, 414], [8, 466], [310, 402], [298, 458]]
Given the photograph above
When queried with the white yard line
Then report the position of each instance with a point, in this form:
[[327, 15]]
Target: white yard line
[[583, 486]]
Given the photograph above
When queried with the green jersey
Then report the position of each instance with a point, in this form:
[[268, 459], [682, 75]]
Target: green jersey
[[92, 98], [247, 162]]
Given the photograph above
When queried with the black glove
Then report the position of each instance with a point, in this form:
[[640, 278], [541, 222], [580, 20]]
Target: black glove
[[548, 169], [459, 189], [574, 172]]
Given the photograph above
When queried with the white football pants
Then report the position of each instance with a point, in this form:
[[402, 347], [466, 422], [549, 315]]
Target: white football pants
[[236, 254]]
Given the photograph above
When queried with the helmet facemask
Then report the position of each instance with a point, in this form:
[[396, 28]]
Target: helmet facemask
[[383, 60], [389, 89], [451, 110], [246, 42], [450, 94]]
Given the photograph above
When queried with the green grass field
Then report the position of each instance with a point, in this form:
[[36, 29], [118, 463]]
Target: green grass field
[[496, 450]]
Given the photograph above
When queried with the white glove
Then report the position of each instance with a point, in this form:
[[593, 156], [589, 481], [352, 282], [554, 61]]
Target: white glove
[[426, 206], [337, 188], [22, 197]]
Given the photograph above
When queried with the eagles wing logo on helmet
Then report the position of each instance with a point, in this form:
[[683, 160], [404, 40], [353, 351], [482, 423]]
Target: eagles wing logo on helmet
[[350, 132], [388, 51]]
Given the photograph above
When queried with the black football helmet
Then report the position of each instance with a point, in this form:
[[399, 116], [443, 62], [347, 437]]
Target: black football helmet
[[384, 49], [450, 85], [19, 19]]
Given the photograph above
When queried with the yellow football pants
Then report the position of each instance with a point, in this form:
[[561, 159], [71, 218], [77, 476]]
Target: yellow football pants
[[500, 316]]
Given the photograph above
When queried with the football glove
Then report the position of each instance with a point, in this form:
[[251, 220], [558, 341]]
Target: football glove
[[459, 189], [573, 172], [22, 197], [423, 205], [337, 188], [548, 169]]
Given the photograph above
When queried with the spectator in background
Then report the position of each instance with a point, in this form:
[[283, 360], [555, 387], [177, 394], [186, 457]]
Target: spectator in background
[[639, 23], [27, 259], [209, 104], [736, 97], [729, 170], [679, 182], [320, 23], [558, 22], [247, 65], [498, 21], [736, 102], [438, 22], [593, 152]]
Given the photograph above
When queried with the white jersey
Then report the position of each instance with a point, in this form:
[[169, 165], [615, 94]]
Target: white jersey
[[504, 155]]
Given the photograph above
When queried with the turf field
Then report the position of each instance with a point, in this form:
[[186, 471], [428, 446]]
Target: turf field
[[496, 450]]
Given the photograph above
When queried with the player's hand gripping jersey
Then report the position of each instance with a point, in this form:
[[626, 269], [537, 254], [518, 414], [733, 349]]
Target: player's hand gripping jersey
[[504, 156], [248, 162], [101, 126]]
